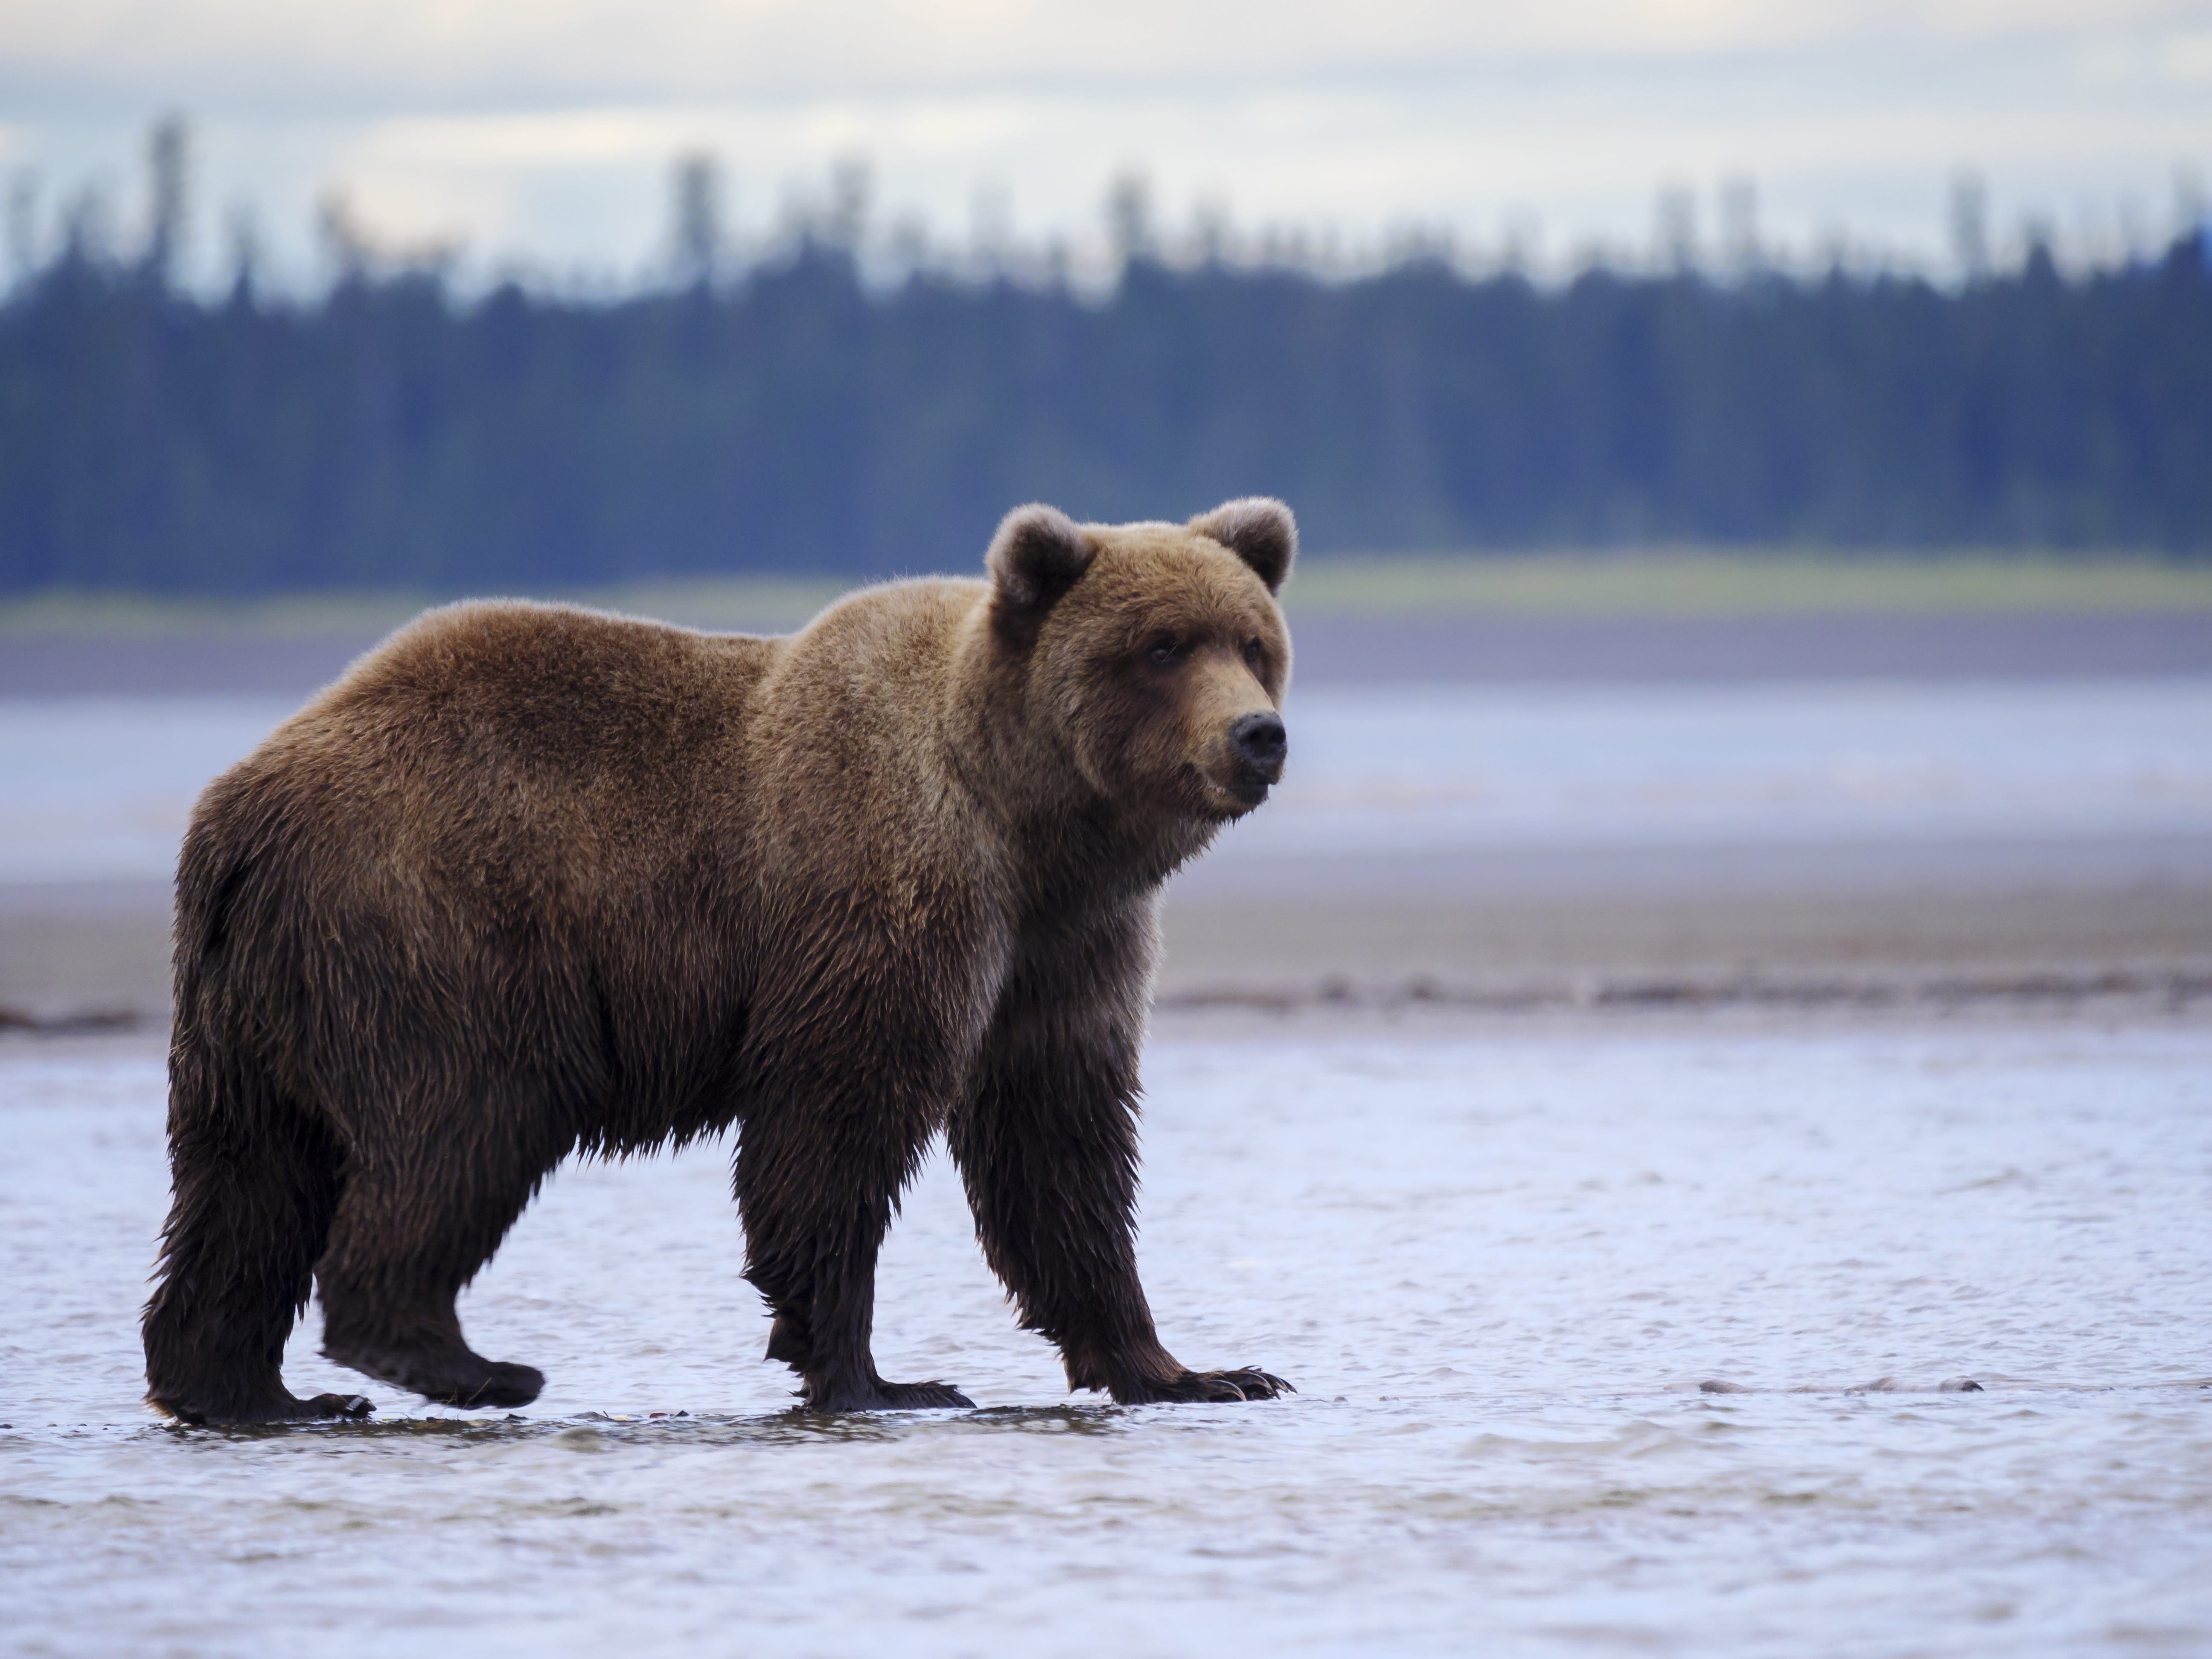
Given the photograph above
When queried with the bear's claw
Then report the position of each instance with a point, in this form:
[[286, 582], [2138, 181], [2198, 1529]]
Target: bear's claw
[[503, 1385], [1245, 1382]]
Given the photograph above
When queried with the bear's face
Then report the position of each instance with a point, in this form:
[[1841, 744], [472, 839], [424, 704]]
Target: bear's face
[[1157, 656]]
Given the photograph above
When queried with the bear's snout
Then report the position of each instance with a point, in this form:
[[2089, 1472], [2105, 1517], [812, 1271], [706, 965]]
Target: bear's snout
[[1260, 746]]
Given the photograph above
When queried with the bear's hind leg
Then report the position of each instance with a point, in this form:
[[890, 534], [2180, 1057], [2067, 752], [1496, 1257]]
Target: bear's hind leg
[[409, 1233], [256, 1182]]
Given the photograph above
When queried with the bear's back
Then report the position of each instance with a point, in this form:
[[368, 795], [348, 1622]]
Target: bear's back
[[499, 742], [557, 682], [550, 694]]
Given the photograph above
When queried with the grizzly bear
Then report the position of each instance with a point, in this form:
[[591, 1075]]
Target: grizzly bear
[[531, 880]]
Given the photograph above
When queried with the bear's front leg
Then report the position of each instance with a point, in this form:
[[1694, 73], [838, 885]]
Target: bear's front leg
[[1046, 1146], [815, 1190]]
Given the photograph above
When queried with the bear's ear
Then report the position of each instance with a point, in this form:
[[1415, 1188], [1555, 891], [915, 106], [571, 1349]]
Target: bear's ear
[[1036, 557], [1259, 530]]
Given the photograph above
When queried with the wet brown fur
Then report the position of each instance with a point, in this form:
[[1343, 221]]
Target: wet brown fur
[[531, 881]]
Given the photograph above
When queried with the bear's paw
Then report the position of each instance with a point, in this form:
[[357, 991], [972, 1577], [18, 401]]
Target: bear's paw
[[877, 1395]]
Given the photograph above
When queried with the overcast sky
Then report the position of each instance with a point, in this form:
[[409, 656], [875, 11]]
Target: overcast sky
[[542, 135]]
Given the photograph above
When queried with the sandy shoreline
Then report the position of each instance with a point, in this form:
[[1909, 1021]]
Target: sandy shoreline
[[1711, 945], [75, 957]]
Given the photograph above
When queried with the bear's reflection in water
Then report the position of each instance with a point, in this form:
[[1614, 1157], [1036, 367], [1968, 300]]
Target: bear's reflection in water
[[598, 1431]]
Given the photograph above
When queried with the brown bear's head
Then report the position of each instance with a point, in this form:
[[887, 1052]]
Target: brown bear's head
[[1154, 653]]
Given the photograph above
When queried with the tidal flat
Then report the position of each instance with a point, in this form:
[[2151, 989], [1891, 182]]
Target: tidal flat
[[1613, 1336]]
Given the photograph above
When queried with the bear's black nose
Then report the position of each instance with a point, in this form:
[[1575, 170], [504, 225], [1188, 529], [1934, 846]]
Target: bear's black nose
[[1260, 743]]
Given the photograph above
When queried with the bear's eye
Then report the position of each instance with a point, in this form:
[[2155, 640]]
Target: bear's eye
[[1164, 651], [1252, 655]]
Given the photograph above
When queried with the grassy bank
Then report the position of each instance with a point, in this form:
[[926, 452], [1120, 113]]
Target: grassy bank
[[1658, 582], [758, 603]]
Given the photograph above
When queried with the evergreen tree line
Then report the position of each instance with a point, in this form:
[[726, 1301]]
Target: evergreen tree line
[[794, 421]]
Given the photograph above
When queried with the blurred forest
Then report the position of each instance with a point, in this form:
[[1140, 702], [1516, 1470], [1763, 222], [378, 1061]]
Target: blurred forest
[[795, 419]]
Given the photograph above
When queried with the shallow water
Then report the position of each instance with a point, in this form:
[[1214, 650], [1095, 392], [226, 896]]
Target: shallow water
[[1430, 768], [1498, 1268], [99, 788]]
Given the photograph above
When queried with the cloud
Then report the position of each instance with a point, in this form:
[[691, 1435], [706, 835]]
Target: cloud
[[545, 132], [552, 138], [435, 53], [2188, 58]]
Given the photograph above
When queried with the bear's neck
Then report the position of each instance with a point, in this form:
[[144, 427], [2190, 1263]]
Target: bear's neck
[[1079, 854], [1070, 845]]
